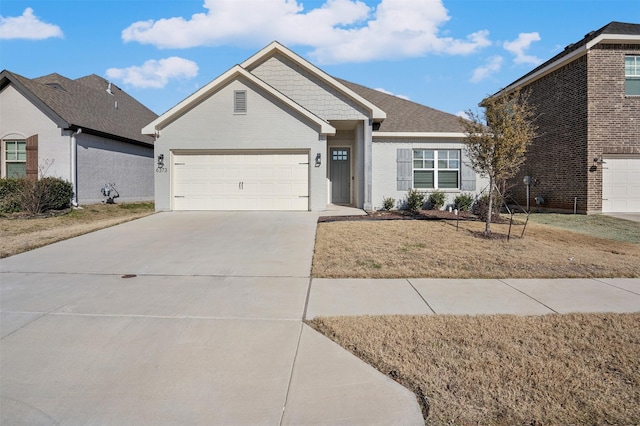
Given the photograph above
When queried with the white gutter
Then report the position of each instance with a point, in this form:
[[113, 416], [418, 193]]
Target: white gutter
[[74, 167], [418, 135]]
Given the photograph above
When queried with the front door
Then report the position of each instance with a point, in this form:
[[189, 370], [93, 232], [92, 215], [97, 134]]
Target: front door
[[340, 176]]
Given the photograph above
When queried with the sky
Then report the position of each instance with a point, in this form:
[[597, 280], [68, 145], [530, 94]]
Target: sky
[[446, 54]]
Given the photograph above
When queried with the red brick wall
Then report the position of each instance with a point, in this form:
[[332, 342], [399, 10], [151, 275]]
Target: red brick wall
[[614, 119], [556, 160], [583, 113]]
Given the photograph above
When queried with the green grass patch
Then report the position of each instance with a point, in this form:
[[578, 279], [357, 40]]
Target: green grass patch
[[600, 226]]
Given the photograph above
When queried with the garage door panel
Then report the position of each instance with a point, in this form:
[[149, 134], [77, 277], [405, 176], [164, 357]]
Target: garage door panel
[[241, 182], [621, 185]]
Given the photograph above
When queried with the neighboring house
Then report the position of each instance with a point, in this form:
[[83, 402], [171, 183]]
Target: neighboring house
[[278, 133], [587, 97], [85, 131]]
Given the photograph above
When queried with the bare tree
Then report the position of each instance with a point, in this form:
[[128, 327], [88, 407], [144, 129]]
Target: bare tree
[[497, 140]]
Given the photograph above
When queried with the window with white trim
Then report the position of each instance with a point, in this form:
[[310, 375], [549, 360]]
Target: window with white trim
[[15, 158], [436, 169], [632, 75], [240, 101]]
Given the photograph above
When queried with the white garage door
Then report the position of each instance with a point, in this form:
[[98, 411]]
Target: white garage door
[[248, 181], [621, 185]]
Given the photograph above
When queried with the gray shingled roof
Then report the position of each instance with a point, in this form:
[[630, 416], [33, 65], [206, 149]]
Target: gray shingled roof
[[620, 28], [407, 116], [85, 103]]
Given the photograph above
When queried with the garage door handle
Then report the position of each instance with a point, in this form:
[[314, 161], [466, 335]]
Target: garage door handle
[[178, 196], [240, 185]]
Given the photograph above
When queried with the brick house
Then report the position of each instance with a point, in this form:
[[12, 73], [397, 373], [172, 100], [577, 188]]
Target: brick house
[[587, 154]]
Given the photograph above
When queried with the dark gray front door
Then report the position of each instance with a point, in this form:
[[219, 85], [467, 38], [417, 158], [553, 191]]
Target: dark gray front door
[[340, 175]]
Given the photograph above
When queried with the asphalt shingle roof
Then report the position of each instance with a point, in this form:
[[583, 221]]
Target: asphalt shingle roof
[[85, 103], [407, 116]]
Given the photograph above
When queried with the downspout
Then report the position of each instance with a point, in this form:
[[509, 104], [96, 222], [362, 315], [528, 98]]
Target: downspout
[[74, 167]]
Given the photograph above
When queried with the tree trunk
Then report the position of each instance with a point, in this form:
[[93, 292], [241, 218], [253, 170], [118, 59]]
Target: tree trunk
[[487, 228]]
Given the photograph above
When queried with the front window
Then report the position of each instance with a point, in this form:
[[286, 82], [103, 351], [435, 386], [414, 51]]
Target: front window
[[436, 169], [15, 158], [632, 75]]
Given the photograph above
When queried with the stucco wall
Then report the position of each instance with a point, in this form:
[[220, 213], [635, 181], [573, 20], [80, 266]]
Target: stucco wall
[[385, 168], [212, 125], [19, 119], [100, 161]]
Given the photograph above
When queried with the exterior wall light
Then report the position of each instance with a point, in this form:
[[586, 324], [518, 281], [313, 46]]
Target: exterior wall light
[[318, 160], [599, 160]]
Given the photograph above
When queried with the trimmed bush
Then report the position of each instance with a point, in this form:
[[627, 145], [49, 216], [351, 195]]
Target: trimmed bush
[[464, 202], [437, 200], [481, 206], [34, 197], [415, 200], [10, 195], [388, 203]]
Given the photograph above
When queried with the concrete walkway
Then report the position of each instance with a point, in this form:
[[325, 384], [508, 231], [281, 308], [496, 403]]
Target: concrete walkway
[[196, 318]]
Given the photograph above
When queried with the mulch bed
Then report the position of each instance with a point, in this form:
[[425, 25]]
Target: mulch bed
[[402, 215]]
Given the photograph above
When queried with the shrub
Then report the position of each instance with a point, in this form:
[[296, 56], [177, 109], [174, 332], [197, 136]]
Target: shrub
[[415, 200], [388, 203], [437, 199], [9, 195], [481, 206], [464, 202], [35, 197]]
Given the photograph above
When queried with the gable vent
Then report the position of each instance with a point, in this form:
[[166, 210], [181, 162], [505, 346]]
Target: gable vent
[[240, 101]]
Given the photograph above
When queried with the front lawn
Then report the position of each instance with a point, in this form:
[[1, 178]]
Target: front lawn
[[578, 369], [435, 249], [19, 233]]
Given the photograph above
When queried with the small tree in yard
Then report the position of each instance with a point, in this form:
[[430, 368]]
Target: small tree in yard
[[497, 140]]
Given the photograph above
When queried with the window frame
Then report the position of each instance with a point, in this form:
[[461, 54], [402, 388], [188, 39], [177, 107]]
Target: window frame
[[633, 76], [433, 162], [5, 156]]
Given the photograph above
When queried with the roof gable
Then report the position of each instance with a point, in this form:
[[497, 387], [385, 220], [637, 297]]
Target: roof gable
[[276, 48], [85, 103], [205, 92]]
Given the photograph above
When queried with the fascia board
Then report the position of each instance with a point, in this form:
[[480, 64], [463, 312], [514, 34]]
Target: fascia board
[[37, 102], [602, 38], [205, 92], [376, 113], [413, 135]]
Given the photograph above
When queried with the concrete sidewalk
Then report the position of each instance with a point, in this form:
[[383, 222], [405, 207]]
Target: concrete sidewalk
[[423, 296]]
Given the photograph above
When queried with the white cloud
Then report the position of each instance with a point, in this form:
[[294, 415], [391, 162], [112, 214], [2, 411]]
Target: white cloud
[[155, 73], [519, 45], [27, 26], [392, 94], [338, 31], [493, 65], [463, 114]]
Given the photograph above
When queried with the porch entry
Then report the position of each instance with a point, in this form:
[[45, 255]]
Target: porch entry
[[340, 165]]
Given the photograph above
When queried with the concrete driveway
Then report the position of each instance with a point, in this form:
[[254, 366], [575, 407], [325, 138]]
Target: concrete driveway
[[180, 318]]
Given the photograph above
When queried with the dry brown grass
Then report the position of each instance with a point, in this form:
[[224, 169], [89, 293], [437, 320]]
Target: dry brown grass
[[19, 234], [424, 248], [505, 370]]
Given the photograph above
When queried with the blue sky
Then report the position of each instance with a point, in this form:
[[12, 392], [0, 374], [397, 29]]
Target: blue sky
[[447, 54]]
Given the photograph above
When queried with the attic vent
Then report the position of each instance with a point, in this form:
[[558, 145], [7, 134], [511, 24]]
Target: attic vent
[[240, 101], [569, 46], [55, 86]]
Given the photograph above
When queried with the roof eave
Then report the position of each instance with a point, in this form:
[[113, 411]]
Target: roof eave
[[582, 50], [34, 99], [445, 135]]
